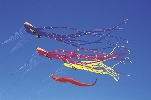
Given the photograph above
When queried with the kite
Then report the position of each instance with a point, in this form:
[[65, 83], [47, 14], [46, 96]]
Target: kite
[[71, 80], [74, 57], [96, 67], [72, 38]]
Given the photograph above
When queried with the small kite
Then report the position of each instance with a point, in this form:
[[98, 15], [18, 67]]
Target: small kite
[[71, 80], [72, 38]]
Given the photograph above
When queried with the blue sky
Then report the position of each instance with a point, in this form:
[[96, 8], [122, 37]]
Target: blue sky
[[83, 15]]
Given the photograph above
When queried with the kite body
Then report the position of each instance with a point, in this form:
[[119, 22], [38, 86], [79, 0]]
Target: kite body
[[31, 30], [71, 80]]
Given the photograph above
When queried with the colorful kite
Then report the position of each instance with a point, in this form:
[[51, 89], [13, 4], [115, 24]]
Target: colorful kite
[[96, 67], [71, 80], [74, 57], [72, 38]]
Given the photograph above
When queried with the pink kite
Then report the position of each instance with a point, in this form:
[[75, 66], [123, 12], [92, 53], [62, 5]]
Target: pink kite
[[74, 57]]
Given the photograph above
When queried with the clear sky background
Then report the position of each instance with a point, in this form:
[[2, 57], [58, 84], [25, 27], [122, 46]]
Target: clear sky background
[[18, 84]]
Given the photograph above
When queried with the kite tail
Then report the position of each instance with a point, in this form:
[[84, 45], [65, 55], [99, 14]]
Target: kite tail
[[94, 82], [76, 82]]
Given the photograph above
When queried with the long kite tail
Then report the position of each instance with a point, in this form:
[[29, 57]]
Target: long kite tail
[[76, 82]]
